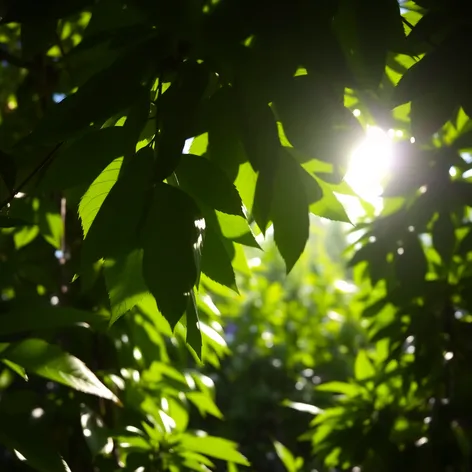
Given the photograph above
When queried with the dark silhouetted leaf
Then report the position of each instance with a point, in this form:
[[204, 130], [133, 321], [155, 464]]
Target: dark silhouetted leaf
[[206, 182], [289, 211], [430, 111], [179, 113], [169, 238]]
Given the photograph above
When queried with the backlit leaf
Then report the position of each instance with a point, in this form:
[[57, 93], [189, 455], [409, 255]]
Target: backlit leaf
[[125, 283], [49, 361]]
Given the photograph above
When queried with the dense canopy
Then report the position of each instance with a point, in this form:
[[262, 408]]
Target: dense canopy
[[175, 294]]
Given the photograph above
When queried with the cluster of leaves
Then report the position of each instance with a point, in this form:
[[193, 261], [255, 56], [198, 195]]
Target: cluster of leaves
[[407, 407], [288, 334], [144, 143]]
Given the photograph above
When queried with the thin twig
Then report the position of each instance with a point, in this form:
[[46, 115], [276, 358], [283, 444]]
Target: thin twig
[[22, 185]]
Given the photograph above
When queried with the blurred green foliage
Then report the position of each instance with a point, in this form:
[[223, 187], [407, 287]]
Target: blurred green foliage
[[177, 291]]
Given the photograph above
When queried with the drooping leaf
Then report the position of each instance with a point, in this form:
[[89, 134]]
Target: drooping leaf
[[430, 111], [95, 195], [169, 236], [49, 361], [214, 447], [225, 147], [217, 253], [368, 30], [339, 387], [114, 229], [206, 182], [289, 211], [316, 121], [125, 283], [363, 368], [262, 145], [286, 457]]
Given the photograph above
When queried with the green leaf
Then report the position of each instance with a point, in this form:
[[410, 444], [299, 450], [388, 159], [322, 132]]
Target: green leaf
[[443, 63], [205, 404], [444, 237], [32, 443], [25, 236], [49, 361], [214, 447], [114, 229], [207, 183], [262, 146], [177, 122], [95, 195], [125, 283], [289, 211], [36, 315], [363, 368], [430, 111], [225, 147], [16, 368], [316, 121], [217, 254], [368, 30], [285, 456], [169, 236], [339, 387], [81, 160]]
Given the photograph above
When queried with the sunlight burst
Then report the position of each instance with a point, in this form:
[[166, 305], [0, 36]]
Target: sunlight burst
[[370, 163]]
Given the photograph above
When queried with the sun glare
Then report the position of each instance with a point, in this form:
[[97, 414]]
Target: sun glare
[[370, 163]]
